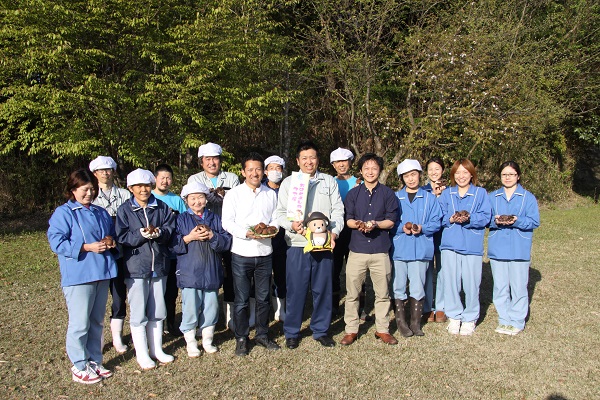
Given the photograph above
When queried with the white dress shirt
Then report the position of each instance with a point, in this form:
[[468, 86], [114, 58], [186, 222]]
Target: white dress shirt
[[244, 207]]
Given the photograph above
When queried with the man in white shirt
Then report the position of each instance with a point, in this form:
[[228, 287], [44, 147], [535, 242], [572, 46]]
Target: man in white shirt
[[244, 207]]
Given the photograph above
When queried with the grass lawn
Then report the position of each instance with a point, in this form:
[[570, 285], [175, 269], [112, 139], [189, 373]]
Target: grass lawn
[[556, 357]]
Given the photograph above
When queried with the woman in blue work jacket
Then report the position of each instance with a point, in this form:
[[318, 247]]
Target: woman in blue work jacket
[[82, 236], [419, 218], [466, 213], [516, 215]]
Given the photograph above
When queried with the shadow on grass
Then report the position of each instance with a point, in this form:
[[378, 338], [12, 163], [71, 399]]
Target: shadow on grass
[[24, 223]]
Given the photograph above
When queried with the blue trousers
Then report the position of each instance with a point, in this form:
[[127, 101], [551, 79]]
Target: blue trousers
[[511, 298], [466, 270], [245, 271], [198, 308], [428, 305], [146, 298], [86, 304], [415, 271], [304, 270]]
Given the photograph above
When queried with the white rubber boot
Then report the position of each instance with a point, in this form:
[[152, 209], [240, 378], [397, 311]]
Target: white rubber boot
[[192, 343], [279, 307], [207, 338], [138, 335], [229, 315], [252, 313], [154, 330], [116, 329]]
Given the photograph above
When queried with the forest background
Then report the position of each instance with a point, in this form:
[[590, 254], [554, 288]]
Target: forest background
[[148, 81]]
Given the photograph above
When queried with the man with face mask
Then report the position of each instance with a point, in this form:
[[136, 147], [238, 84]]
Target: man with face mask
[[274, 167]]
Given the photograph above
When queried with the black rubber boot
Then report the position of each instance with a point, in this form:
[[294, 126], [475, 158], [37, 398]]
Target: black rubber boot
[[401, 319], [416, 311]]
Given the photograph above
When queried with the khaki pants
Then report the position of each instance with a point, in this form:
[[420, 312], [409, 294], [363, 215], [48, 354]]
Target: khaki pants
[[380, 269]]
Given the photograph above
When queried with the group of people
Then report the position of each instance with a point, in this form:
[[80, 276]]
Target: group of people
[[145, 243]]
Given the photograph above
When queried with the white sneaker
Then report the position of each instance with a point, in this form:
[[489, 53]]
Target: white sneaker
[[100, 370], [88, 376], [467, 328], [512, 331], [453, 326], [502, 329]]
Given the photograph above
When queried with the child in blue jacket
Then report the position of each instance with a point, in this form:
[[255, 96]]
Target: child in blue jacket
[[516, 215], [144, 228], [466, 213], [198, 241], [419, 218]]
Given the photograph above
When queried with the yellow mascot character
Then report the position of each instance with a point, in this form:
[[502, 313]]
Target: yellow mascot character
[[317, 235]]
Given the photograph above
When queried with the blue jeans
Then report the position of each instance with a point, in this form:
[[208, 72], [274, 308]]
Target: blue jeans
[[199, 308], [86, 304], [245, 270]]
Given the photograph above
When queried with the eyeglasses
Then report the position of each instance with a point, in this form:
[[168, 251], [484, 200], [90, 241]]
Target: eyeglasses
[[508, 175]]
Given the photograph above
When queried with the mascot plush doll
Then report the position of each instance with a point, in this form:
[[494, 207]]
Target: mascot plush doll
[[317, 235]]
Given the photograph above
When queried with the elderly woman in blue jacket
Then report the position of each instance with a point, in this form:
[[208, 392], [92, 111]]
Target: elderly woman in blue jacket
[[198, 241], [516, 215], [144, 228], [81, 234], [467, 212], [419, 218]]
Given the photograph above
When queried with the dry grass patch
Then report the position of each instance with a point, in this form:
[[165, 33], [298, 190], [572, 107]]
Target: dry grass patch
[[555, 357]]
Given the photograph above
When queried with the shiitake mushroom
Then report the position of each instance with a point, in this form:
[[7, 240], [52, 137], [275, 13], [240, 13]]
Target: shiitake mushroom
[[150, 229], [415, 228], [408, 226], [108, 241]]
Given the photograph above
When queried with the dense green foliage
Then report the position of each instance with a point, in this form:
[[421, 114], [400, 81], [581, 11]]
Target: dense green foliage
[[148, 81]]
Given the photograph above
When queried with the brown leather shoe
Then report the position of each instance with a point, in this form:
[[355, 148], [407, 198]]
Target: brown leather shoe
[[429, 316], [386, 338], [440, 316], [348, 339]]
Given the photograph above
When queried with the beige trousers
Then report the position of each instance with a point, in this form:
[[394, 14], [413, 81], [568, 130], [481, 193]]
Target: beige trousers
[[380, 269]]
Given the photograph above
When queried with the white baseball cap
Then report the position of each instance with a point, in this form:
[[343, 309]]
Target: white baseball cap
[[341, 154], [407, 166], [140, 177], [209, 150], [275, 160], [102, 162], [194, 187]]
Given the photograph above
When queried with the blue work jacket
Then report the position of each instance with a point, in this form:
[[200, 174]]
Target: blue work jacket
[[513, 242], [72, 225], [199, 262], [465, 238], [425, 211]]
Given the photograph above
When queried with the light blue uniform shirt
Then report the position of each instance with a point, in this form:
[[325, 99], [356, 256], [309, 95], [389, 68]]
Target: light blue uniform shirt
[[465, 238], [513, 242], [425, 211]]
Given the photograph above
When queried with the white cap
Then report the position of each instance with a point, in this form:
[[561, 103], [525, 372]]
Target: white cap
[[140, 177], [194, 187], [340, 154], [407, 166], [102, 162], [275, 160], [209, 150]]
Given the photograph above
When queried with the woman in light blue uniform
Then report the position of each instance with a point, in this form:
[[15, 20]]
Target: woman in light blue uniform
[[413, 247], [78, 235], [462, 245], [435, 185], [516, 215]]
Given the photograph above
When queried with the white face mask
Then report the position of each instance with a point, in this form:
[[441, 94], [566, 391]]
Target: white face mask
[[274, 176]]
